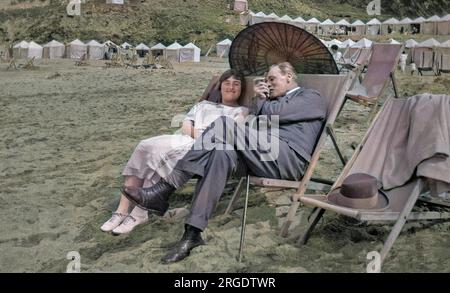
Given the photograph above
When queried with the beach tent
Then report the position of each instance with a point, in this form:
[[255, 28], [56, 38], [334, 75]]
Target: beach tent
[[172, 52], [358, 28], [443, 57], [76, 49], [347, 43], [54, 50], [190, 53], [272, 17], [258, 17], [430, 25], [391, 25], [409, 49], [96, 51], [392, 41], [142, 49], [424, 55], [299, 21], [327, 27], [286, 19], [373, 27], [126, 46], [418, 24], [312, 25], [35, 50], [119, 2], [444, 25], [223, 48], [20, 50], [240, 5], [344, 25], [405, 25], [158, 50], [362, 45], [245, 17]]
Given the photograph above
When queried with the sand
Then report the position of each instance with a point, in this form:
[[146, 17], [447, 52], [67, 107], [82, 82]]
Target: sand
[[66, 133]]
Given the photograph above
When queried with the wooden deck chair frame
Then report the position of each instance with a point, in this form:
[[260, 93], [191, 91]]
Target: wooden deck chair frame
[[399, 217], [372, 101], [314, 81]]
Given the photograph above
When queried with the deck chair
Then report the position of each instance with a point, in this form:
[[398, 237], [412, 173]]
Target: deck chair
[[333, 87], [12, 64], [30, 64], [380, 71], [369, 158], [352, 60], [82, 61]]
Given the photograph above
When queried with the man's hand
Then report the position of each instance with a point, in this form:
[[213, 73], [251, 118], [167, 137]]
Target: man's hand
[[261, 88]]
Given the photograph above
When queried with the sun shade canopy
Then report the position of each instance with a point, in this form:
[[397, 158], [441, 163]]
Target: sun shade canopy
[[259, 46]]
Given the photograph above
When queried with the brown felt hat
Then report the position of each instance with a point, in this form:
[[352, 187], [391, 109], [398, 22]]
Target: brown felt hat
[[359, 191]]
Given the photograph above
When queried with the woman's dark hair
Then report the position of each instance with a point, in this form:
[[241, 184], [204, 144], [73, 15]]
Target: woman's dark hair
[[237, 75], [334, 47]]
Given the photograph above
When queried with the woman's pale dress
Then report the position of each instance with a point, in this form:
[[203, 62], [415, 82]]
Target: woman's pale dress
[[155, 158]]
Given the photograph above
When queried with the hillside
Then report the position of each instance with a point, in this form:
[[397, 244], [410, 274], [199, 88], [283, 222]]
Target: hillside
[[153, 21]]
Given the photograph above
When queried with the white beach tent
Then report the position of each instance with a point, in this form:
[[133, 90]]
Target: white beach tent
[[327, 27], [245, 17], [223, 48], [258, 17], [142, 49], [35, 50], [373, 27], [299, 21], [418, 22], [119, 2], [392, 25], [54, 50], [361, 45], [312, 25], [405, 25], [424, 55], [20, 50], [409, 49], [158, 50], [443, 57], [347, 43], [190, 53], [272, 17], [444, 25], [358, 28], [392, 41], [96, 51], [76, 49], [430, 25], [126, 46], [286, 19], [172, 52], [344, 24]]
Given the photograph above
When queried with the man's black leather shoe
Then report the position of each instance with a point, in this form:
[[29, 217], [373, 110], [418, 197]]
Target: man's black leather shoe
[[191, 239], [153, 199]]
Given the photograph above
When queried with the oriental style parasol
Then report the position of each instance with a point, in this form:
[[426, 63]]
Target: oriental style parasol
[[259, 46]]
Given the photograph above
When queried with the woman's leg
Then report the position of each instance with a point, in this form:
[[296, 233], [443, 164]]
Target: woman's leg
[[124, 204]]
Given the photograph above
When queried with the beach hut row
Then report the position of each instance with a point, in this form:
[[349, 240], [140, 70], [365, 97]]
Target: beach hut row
[[434, 25], [93, 50], [76, 49]]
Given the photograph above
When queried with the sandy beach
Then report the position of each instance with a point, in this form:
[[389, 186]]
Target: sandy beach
[[66, 133]]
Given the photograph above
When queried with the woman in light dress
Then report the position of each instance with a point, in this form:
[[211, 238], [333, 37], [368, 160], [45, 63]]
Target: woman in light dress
[[155, 158]]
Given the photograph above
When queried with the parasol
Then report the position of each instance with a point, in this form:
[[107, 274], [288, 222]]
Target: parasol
[[261, 45]]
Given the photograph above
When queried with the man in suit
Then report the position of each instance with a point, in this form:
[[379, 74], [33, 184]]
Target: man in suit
[[299, 113]]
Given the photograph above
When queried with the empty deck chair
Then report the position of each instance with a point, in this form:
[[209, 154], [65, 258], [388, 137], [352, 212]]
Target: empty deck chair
[[333, 87], [380, 71], [374, 156]]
